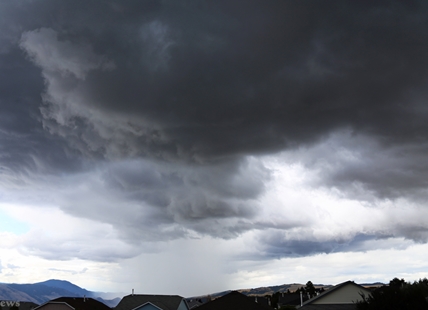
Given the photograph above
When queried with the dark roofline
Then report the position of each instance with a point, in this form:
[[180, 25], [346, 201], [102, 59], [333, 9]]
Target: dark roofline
[[332, 289], [142, 305], [54, 302], [134, 301], [152, 295], [76, 302], [234, 300]]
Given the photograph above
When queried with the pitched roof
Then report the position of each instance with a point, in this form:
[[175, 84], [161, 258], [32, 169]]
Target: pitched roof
[[233, 301], [335, 288], [291, 299], [260, 300], [79, 303], [194, 303], [331, 307], [165, 302]]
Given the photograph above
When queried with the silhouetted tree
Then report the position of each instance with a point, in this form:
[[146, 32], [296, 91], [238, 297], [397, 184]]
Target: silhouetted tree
[[274, 299], [398, 295], [300, 289], [310, 288], [397, 283]]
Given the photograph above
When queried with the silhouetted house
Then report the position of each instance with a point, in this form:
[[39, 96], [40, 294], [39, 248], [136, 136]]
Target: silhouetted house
[[343, 296], [260, 300], [21, 305], [233, 301], [152, 302], [291, 299], [73, 303]]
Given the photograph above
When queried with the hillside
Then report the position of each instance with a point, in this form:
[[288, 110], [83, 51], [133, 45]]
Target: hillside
[[269, 290], [43, 291], [9, 293], [265, 290]]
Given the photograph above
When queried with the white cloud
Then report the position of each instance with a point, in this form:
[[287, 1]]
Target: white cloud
[[54, 235]]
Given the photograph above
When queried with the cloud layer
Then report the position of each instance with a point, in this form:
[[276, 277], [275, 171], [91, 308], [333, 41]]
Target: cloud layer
[[301, 124]]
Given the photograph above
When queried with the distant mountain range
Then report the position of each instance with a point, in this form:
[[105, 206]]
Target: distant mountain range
[[42, 292]]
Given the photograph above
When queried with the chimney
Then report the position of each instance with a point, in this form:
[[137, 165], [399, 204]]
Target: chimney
[[132, 292]]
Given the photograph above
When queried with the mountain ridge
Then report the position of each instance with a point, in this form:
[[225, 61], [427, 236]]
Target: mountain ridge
[[42, 292]]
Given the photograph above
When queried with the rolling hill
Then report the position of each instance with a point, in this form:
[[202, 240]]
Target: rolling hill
[[42, 292]]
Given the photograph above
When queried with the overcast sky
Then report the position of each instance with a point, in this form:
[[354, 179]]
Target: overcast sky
[[189, 147]]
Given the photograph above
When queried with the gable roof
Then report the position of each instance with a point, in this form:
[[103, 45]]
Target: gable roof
[[165, 302], [233, 301], [79, 303], [331, 290], [260, 300], [194, 303], [291, 299], [331, 307]]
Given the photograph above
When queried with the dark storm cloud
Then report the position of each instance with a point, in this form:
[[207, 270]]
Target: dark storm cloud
[[171, 99], [24, 146], [217, 80]]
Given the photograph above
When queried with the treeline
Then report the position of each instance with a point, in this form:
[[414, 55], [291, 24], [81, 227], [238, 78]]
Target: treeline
[[398, 295]]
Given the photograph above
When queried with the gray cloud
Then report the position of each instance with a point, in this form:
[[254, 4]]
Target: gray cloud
[[57, 248], [365, 168], [276, 244], [145, 201]]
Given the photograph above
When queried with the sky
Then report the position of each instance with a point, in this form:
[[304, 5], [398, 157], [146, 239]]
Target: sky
[[190, 147]]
